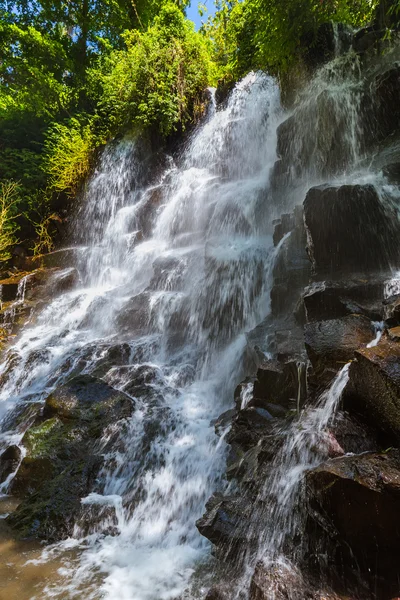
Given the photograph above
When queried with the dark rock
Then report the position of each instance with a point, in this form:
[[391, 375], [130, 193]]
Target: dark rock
[[135, 315], [277, 383], [352, 435], [283, 226], [392, 310], [249, 426], [386, 108], [332, 300], [63, 258], [9, 461], [349, 230], [360, 496], [329, 40], [87, 399], [282, 581], [366, 38], [373, 390], [224, 522], [224, 421], [64, 456], [332, 343]]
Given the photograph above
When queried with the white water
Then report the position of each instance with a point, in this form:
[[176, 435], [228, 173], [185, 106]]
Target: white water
[[280, 523], [180, 296]]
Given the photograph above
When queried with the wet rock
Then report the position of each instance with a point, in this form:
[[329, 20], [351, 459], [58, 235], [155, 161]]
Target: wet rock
[[249, 426], [87, 399], [329, 40], [386, 90], [332, 343], [64, 456], [292, 267], [332, 299], [9, 461], [283, 226], [277, 384], [224, 522], [373, 390], [360, 497], [168, 271], [392, 310], [352, 435], [349, 230], [282, 581], [135, 315], [219, 592], [366, 38]]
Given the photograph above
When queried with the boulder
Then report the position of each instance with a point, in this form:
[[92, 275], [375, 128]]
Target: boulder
[[9, 461], [278, 384], [87, 399], [332, 343], [359, 497], [373, 390], [225, 522], [335, 299], [349, 230], [64, 456], [251, 424], [392, 310]]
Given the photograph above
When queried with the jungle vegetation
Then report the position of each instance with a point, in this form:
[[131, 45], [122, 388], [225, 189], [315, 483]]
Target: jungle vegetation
[[75, 74]]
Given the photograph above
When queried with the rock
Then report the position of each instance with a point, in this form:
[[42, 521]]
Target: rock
[[135, 315], [277, 384], [64, 456], [9, 461], [335, 299], [365, 39], [249, 426], [392, 310], [87, 399], [219, 592], [282, 581], [373, 390], [332, 343], [360, 497], [352, 435], [394, 334], [283, 226], [224, 522], [329, 40], [385, 94], [349, 230]]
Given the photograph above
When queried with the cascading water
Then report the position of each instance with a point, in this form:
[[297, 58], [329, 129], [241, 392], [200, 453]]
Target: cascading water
[[280, 521], [177, 272]]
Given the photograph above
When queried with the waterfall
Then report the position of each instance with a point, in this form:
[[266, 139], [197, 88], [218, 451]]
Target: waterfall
[[176, 271]]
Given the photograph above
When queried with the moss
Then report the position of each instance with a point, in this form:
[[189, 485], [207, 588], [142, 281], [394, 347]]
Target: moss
[[47, 438]]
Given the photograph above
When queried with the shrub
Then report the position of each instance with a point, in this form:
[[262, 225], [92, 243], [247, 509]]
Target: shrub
[[67, 157], [9, 199]]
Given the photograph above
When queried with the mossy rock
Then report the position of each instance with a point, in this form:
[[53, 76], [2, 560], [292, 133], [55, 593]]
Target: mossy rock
[[64, 456]]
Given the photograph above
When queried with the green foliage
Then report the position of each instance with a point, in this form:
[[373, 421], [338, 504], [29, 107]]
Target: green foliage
[[9, 199], [158, 78], [271, 34], [67, 155]]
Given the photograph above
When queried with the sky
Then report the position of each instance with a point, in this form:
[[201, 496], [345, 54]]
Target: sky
[[193, 14]]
